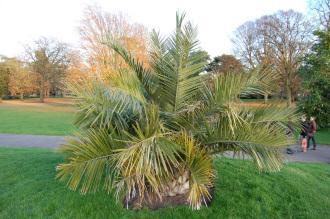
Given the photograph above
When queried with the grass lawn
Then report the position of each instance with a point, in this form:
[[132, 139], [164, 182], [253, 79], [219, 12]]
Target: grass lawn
[[323, 136], [29, 117], [28, 190]]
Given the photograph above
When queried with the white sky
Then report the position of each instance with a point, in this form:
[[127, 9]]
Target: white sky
[[22, 21]]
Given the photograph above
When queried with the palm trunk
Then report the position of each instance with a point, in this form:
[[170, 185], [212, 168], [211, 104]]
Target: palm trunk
[[179, 186], [175, 193]]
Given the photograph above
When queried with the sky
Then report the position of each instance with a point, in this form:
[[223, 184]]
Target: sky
[[23, 21]]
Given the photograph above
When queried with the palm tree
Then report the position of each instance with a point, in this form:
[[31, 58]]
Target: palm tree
[[151, 133]]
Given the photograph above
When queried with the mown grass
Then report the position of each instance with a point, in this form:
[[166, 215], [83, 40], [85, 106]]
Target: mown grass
[[323, 136], [28, 190], [31, 118]]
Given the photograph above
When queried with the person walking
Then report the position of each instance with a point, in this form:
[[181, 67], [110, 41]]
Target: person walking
[[311, 133], [303, 133]]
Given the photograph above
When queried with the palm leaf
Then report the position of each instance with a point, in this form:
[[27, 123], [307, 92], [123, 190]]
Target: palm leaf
[[199, 164], [145, 76], [90, 161]]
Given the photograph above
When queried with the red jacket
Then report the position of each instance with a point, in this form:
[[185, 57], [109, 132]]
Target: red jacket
[[313, 126]]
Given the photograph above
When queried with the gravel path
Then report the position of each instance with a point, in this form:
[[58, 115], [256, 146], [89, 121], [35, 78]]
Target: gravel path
[[12, 140], [321, 154]]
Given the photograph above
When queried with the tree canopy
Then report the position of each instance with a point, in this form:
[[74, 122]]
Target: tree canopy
[[315, 100]]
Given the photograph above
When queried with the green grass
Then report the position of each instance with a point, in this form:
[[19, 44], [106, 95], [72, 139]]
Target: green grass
[[47, 120], [323, 136], [28, 190]]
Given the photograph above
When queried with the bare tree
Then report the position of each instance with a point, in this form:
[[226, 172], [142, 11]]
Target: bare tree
[[278, 41], [49, 60], [98, 25], [322, 9], [245, 42]]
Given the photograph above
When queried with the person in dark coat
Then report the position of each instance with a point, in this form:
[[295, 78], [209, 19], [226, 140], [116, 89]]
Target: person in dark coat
[[303, 133], [311, 133], [304, 127]]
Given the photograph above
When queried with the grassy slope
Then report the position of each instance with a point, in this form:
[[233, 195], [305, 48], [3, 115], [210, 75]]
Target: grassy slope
[[28, 190], [40, 119]]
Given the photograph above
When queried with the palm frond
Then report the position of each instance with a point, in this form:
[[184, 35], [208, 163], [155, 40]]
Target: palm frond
[[146, 77], [262, 142], [90, 162], [100, 105], [199, 164], [178, 66], [150, 160]]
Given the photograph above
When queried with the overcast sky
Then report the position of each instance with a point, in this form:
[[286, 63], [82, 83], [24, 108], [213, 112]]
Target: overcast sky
[[22, 21]]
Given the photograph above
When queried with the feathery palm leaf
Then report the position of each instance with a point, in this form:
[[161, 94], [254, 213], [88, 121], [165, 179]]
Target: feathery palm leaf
[[146, 77], [93, 159], [178, 66], [103, 106]]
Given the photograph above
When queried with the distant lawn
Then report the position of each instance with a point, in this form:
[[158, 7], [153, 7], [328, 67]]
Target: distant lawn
[[28, 190], [323, 136], [35, 118]]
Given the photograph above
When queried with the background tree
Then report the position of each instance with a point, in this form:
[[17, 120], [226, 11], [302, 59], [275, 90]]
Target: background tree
[[279, 41], [21, 79], [244, 44], [98, 25], [225, 64], [322, 10], [4, 77], [254, 51], [77, 71], [49, 60], [316, 74]]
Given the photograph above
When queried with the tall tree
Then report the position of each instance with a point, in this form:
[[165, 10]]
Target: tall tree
[[322, 9], [280, 41], [99, 26], [316, 74], [246, 44], [4, 77], [77, 71], [49, 59], [21, 79]]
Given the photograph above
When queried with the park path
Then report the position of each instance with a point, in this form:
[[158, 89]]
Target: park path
[[13, 140], [322, 154]]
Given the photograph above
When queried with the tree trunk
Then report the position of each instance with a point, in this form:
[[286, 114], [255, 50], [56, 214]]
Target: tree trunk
[[22, 96], [288, 95], [47, 93], [265, 97], [42, 89], [175, 193]]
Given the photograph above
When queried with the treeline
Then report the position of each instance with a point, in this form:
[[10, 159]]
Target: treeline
[[44, 71], [288, 44]]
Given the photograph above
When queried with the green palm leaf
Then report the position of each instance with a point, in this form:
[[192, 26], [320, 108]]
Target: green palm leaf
[[93, 152]]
